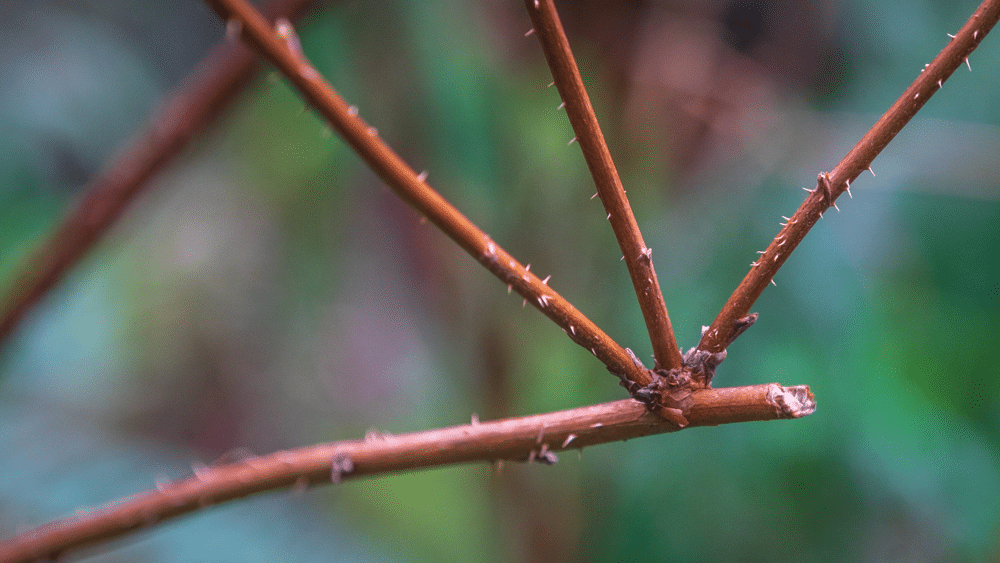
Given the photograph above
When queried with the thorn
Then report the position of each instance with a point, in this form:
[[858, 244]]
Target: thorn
[[553, 83], [939, 84], [373, 131], [422, 176], [967, 64], [571, 141], [509, 288], [536, 4], [572, 330], [786, 218], [772, 283], [917, 95], [835, 206], [543, 300], [546, 280], [284, 29], [622, 258], [808, 190], [848, 182], [524, 303], [592, 351], [870, 170], [352, 111], [562, 105], [753, 264], [950, 35], [593, 196], [568, 439], [527, 268], [760, 252], [609, 216], [529, 32], [474, 420], [975, 34]]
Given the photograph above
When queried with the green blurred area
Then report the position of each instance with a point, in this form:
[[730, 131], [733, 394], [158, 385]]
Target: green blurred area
[[269, 292]]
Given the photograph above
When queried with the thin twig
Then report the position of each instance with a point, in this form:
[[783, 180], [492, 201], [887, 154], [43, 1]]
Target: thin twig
[[528, 438], [831, 185], [637, 256], [194, 105], [280, 47]]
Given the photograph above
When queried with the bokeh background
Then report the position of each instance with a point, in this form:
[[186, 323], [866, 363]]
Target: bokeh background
[[269, 292]]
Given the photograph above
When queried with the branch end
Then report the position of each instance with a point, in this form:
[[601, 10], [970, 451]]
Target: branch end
[[791, 402]]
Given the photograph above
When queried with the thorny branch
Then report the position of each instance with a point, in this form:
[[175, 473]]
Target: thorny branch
[[280, 46], [528, 438], [190, 109], [637, 256], [831, 185]]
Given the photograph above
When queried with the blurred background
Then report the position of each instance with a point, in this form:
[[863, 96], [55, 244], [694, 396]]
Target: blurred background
[[269, 292]]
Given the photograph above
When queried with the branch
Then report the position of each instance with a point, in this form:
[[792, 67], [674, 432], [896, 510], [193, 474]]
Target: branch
[[280, 47], [637, 256], [529, 438], [189, 109], [831, 185]]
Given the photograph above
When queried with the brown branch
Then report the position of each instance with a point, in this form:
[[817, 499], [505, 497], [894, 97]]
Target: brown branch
[[190, 108], [831, 185], [637, 256], [528, 438], [280, 47]]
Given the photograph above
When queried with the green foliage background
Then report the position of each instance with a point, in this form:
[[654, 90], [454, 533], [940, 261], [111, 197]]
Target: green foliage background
[[269, 292]]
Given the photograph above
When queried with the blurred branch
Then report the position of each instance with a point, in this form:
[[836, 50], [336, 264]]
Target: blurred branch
[[528, 438], [200, 99], [638, 258], [831, 185], [280, 46]]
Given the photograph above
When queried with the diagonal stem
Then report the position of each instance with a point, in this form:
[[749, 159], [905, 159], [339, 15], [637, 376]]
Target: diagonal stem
[[190, 109], [280, 47], [637, 256], [831, 185], [524, 438]]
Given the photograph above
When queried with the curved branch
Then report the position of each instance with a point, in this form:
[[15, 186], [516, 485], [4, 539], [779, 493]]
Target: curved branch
[[638, 257], [280, 47], [205, 93], [831, 185], [528, 438]]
